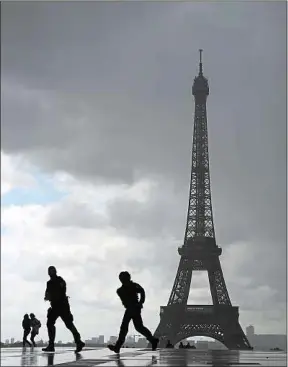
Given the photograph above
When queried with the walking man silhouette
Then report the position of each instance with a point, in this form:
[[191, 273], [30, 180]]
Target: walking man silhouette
[[56, 294], [128, 294], [26, 325], [35, 324]]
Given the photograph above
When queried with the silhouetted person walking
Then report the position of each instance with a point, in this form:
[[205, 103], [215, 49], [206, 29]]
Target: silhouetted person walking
[[181, 346], [35, 324], [169, 345], [26, 324], [128, 294], [56, 294]]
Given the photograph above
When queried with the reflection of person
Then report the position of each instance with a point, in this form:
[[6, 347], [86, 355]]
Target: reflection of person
[[50, 359], [26, 325], [56, 294], [35, 324], [28, 359], [24, 357], [128, 294]]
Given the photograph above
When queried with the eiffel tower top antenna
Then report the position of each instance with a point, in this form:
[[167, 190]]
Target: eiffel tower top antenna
[[200, 64]]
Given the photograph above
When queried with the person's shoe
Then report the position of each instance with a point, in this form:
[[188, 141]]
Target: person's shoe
[[154, 344], [79, 346], [50, 348], [113, 348]]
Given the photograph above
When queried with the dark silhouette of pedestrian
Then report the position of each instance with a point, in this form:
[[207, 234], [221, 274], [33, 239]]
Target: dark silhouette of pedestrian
[[181, 346], [169, 345], [128, 294], [26, 324], [35, 324], [56, 294]]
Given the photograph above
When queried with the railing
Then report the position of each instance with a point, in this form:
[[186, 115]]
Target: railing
[[199, 252], [202, 309]]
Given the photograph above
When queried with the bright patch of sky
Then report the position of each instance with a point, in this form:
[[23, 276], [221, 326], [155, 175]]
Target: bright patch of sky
[[43, 192]]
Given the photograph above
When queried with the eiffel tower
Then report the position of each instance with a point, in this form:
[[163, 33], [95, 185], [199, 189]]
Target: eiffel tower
[[178, 320]]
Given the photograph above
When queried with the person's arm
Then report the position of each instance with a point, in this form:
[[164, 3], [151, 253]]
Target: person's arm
[[62, 284], [119, 295], [142, 294], [47, 295]]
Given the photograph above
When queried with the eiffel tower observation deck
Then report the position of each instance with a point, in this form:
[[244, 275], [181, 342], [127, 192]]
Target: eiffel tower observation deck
[[199, 251]]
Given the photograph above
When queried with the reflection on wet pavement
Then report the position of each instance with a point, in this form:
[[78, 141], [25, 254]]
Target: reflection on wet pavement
[[140, 357]]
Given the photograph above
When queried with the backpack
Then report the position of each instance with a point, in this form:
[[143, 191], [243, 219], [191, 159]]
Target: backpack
[[36, 325]]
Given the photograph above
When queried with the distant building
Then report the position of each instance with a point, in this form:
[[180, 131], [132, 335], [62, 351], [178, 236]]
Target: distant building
[[142, 343], [202, 344], [216, 345], [12, 340], [94, 340], [130, 340], [250, 331], [113, 339], [266, 341], [7, 341], [59, 342], [101, 339]]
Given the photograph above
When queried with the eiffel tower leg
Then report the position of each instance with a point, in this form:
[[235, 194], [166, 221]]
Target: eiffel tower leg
[[181, 287], [234, 337], [164, 332], [218, 287]]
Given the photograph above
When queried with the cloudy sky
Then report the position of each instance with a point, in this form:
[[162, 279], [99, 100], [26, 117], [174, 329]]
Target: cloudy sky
[[97, 118]]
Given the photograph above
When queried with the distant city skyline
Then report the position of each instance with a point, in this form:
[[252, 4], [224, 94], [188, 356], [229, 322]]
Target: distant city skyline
[[250, 332], [259, 342]]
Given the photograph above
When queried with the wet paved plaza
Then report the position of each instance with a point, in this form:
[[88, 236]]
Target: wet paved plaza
[[140, 357]]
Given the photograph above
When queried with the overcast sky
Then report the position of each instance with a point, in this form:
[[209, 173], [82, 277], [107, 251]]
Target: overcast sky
[[97, 119]]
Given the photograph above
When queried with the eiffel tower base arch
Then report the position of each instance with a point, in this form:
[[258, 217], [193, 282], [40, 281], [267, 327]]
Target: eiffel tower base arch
[[217, 322]]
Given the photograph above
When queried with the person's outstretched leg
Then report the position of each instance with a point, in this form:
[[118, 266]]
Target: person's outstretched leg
[[122, 334], [67, 318], [52, 316], [138, 324], [26, 333], [32, 338]]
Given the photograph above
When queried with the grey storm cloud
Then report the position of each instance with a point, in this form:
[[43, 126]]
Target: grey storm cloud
[[103, 92], [75, 215]]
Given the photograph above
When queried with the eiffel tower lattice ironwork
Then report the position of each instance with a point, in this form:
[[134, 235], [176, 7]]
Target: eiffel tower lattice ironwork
[[200, 252]]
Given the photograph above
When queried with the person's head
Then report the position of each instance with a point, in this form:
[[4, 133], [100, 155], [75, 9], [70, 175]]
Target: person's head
[[26, 316], [124, 277], [32, 316], [52, 272]]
